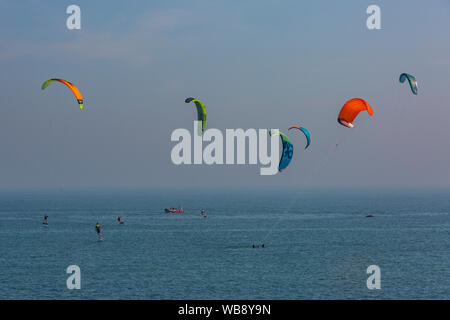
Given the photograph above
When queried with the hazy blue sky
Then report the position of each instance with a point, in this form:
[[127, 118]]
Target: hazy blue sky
[[255, 64]]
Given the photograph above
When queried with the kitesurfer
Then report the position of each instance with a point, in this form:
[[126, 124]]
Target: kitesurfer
[[97, 229], [45, 219]]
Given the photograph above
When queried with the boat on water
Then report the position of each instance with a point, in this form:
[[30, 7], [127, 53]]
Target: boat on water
[[174, 210]]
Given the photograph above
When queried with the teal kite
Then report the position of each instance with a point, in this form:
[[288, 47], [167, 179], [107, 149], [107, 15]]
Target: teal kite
[[305, 132], [288, 149], [412, 81]]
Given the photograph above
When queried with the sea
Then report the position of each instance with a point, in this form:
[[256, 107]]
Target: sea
[[318, 244]]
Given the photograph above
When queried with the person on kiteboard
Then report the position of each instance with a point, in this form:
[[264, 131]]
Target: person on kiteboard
[[97, 229]]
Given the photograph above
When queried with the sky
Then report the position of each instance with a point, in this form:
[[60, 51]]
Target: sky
[[255, 64]]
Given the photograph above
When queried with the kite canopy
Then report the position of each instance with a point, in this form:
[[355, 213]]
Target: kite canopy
[[412, 81], [201, 112], [71, 86], [351, 109], [288, 149], [305, 132]]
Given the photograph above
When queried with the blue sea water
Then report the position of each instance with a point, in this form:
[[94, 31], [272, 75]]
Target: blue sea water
[[318, 244]]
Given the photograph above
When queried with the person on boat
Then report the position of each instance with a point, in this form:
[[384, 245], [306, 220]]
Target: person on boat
[[120, 220], [97, 229], [203, 213], [45, 219]]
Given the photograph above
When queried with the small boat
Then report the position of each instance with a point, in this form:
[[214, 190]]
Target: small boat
[[370, 216], [174, 210]]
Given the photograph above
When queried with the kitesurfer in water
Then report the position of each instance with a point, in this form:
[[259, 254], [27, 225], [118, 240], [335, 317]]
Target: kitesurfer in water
[[45, 220], [97, 229]]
